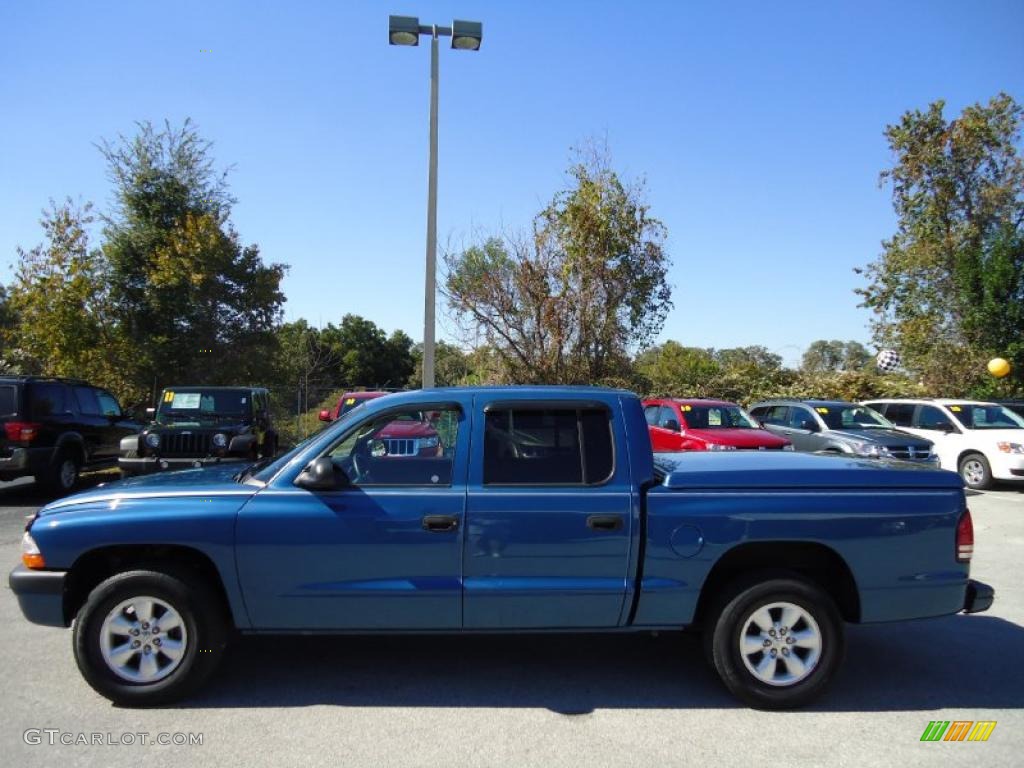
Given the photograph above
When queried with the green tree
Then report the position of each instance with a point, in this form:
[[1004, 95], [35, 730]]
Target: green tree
[[60, 301], [673, 370], [367, 356], [571, 301], [835, 355], [186, 291], [948, 289]]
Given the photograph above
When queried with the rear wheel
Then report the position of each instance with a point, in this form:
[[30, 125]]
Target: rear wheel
[[975, 471], [62, 474], [146, 637], [776, 644]]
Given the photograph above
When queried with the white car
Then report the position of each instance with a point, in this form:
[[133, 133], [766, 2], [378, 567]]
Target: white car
[[984, 442]]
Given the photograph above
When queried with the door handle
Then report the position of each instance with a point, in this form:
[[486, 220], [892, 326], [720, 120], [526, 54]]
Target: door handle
[[605, 522], [440, 523]]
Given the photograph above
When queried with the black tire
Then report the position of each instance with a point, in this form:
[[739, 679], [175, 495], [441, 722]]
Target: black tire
[[727, 626], [975, 471], [62, 474], [203, 619]]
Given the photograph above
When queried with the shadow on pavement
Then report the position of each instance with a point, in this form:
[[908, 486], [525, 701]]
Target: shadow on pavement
[[966, 662]]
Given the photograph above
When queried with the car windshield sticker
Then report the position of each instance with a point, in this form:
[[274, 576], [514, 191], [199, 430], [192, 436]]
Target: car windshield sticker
[[243, 401], [185, 400], [821, 410], [350, 401], [168, 396], [714, 417], [955, 408], [687, 407]]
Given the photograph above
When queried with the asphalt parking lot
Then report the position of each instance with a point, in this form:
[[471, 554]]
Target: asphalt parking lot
[[539, 700]]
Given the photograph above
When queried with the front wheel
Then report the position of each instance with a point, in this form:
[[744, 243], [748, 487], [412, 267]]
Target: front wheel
[[145, 637], [776, 644], [976, 472]]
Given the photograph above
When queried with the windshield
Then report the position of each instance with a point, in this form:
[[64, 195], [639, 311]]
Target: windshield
[[986, 416], [853, 417], [193, 405], [717, 417]]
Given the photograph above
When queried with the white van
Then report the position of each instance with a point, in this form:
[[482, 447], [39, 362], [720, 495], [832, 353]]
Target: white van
[[984, 442]]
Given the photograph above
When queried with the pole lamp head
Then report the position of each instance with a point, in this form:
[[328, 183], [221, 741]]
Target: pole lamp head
[[467, 35], [403, 30]]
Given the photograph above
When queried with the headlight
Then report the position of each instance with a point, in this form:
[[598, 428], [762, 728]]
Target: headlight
[[1010, 447], [153, 439], [718, 447], [30, 554], [220, 440], [788, 447], [868, 449], [428, 442]]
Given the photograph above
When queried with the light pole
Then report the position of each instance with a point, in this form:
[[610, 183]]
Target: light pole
[[466, 36]]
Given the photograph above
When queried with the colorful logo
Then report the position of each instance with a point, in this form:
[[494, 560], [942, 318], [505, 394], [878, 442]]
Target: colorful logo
[[958, 730]]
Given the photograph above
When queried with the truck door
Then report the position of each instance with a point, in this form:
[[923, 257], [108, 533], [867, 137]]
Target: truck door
[[548, 517], [383, 550]]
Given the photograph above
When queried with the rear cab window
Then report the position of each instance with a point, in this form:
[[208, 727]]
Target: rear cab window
[[548, 446]]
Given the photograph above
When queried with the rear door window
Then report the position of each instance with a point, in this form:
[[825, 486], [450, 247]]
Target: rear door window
[[548, 446], [8, 400], [108, 404], [930, 417], [49, 400], [900, 414]]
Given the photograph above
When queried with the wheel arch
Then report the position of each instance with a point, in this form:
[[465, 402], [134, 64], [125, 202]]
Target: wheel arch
[[95, 566], [814, 561]]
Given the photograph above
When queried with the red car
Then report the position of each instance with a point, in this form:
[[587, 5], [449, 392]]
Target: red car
[[411, 434], [707, 425]]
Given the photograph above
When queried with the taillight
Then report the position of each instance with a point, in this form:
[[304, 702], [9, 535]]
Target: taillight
[[23, 431], [965, 538]]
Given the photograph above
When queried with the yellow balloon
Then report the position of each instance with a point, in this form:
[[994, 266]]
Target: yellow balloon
[[998, 367]]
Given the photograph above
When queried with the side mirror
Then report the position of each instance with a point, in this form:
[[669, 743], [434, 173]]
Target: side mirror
[[808, 426], [673, 425], [319, 475], [324, 415], [945, 426]]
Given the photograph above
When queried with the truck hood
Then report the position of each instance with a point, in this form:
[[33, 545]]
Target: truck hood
[[741, 438], [886, 437], [211, 481], [800, 471]]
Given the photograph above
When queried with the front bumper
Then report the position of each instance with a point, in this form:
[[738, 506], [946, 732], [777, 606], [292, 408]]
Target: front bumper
[[40, 595], [978, 597], [1007, 466], [148, 464]]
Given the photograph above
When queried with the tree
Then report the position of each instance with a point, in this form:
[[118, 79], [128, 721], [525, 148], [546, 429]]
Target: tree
[[673, 370], [835, 355], [65, 322], [571, 301], [948, 289], [367, 356], [183, 287]]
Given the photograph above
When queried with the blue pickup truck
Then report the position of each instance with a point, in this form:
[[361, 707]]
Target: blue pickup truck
[[529, 509]]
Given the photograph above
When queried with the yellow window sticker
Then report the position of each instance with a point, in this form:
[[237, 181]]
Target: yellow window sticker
[[350, 401], [821, 410], [687, 407], [168, 397], [955, 408]]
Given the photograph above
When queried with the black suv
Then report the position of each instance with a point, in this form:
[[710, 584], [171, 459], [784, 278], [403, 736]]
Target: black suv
[[55, 428], [836, 426], [200, 426]]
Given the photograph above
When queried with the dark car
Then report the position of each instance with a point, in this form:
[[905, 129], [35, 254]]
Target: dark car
[[55, 428], [200, 426], [837, 426]]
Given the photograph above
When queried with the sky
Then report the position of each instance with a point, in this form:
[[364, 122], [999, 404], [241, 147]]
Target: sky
[[757, 128]]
